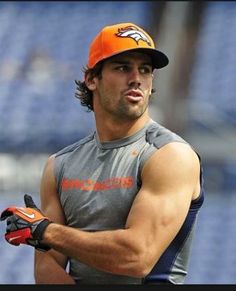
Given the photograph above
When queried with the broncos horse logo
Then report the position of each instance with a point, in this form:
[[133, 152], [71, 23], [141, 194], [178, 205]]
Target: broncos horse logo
[[134, 33]]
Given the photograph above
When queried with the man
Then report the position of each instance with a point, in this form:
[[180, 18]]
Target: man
[[119, 205]]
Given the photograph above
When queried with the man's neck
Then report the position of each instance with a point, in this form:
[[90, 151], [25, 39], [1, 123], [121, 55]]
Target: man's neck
[[109, 130]]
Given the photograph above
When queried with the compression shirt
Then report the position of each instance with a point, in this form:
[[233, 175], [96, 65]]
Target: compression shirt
[[97, 183]]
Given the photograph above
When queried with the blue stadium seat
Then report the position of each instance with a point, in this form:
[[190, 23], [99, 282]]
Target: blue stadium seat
[[213, 77], [39, 102]]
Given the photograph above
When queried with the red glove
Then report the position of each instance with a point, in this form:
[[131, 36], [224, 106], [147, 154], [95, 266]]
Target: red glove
[[25, 225]]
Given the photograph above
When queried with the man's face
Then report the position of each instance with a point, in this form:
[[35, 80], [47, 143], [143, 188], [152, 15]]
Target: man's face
[[125, 86]]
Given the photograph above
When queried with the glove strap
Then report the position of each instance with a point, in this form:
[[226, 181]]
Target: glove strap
[[40, 229], [38, 245], [38, 236], [42, 247]]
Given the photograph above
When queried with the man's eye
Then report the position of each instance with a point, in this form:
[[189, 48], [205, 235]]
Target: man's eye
[[122, 68], [145, 70]]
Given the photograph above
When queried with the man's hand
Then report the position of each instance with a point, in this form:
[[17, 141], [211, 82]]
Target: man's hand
[[25, 225]]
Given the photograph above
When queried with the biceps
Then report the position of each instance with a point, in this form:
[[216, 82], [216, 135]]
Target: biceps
[[156, 211], [156, 218], [50, 203]]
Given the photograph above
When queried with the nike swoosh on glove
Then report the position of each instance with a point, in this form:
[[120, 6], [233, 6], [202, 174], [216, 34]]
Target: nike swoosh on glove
[[25, 225]]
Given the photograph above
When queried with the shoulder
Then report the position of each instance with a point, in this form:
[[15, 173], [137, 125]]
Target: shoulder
[[175, 154], [170, 145], [55, 161], [158, 135], [176, 165], [164, 143], [72, 147]]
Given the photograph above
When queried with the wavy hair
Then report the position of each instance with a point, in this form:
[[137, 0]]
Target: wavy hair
[[82, 91]]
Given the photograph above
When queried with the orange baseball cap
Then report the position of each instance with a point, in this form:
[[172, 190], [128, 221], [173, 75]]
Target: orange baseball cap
[[122, 37]]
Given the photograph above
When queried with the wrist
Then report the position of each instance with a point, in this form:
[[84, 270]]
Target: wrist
[[48, 233], [38, 236], [51, 234], [40, 229]]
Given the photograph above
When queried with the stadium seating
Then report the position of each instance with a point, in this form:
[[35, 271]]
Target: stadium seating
[[213, 111], [43, 48], [213, 253], [212, 87]]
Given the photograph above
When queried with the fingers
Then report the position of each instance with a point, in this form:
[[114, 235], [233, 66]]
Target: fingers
[[19, 236], [7, 212], [11, 223], [10, 210], [29, 201], [15, 223]]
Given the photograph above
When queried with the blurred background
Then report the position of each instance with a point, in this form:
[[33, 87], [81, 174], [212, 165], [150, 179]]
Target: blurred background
[[43, 47]]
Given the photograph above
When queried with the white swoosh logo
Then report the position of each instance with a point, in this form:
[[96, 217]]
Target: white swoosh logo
[[13, 238], [27, 214]]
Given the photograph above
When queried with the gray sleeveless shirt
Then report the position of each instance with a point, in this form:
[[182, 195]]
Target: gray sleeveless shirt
[[97, 183]]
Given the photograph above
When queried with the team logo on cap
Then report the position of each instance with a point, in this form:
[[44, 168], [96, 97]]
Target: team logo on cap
[[134, 33]]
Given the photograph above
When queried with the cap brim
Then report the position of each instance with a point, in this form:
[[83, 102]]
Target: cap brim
[[159, 59]]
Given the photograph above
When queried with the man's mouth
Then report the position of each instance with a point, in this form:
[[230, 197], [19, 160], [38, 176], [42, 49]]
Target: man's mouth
[[134, 95]]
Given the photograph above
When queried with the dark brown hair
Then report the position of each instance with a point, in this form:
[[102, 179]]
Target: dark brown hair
[[82, 91]]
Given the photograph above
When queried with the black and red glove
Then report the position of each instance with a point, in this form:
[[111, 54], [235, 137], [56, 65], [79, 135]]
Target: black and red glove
[[25, 225]]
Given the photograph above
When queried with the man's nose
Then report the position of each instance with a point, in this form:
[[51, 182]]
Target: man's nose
[[134, 78]]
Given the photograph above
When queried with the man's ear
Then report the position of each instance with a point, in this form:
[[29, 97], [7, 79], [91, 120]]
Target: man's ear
[[90, 82]]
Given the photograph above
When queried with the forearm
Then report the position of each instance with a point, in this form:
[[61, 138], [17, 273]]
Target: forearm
[[111, 251], [48, 271]]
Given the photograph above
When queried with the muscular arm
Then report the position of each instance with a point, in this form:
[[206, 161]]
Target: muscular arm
[[170, 180], [50, 266]]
